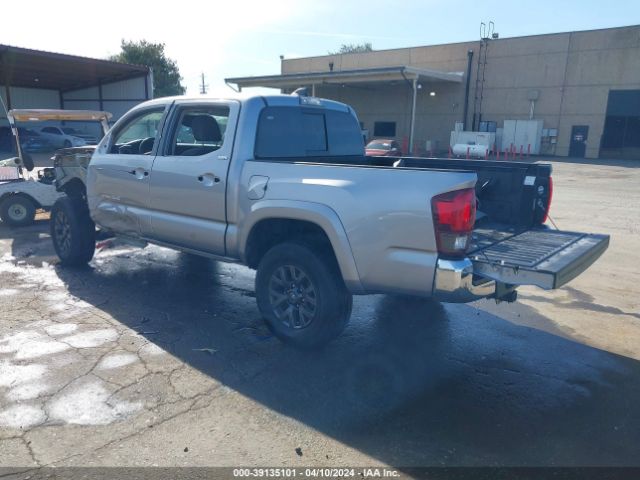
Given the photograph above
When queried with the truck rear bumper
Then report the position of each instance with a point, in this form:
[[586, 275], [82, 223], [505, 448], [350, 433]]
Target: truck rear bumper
[[541, 257], [454, 282]]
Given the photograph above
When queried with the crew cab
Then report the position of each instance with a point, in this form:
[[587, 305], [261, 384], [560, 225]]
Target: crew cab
[[281, 184]]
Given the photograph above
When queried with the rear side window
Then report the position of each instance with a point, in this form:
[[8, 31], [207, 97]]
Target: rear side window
[[345, 136], [292, 132]]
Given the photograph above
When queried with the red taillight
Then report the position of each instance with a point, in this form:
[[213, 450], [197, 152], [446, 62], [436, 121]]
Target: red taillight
[[454, 214], [549, 197]]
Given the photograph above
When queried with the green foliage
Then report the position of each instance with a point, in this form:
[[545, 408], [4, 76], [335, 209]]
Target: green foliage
[[353, 48], [166, 75]]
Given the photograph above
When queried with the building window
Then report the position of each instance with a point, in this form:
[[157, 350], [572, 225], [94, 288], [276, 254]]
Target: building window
[[384, 129]]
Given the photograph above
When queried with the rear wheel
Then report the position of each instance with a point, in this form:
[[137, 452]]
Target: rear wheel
[[67, 144], [72, 231], [17, 211], [301, 295]]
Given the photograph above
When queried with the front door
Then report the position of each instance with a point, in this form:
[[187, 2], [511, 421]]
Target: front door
[[578, 145], [189, 176], [118, 185]]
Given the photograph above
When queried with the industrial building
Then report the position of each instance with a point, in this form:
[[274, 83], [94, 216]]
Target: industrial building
[[580, 89], [38, 79]]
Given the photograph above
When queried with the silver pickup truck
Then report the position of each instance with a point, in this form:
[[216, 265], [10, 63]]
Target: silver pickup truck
[[281, 184]]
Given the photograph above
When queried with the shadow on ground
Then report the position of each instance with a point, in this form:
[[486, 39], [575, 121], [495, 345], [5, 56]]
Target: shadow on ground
[[410, 382]]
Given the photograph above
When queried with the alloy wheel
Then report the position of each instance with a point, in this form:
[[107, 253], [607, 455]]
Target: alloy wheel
[[293, 296], [62, 230]]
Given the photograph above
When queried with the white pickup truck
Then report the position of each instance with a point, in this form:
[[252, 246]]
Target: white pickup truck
[[281, 184]]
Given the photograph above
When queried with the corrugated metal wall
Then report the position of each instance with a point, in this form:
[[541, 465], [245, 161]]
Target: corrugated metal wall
[[29, 98], [117, 97]]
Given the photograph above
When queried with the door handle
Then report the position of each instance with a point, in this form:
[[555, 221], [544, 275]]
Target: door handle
[[208, 179], [140, 173]]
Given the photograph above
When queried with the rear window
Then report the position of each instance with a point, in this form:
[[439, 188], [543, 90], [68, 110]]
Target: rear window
[[294, 132]]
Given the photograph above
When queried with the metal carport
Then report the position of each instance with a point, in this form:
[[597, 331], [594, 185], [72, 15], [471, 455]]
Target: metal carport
[[38, 79]]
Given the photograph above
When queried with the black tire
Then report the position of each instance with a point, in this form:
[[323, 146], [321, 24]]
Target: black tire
[[72, 231], [317, 306], [17, 210], [66, 144]]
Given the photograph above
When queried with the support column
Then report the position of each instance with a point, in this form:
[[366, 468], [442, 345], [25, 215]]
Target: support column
[[413, 114], [7, 94], [101, 100]]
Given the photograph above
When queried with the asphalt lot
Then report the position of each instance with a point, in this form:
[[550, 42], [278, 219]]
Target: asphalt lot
[[151, 357]]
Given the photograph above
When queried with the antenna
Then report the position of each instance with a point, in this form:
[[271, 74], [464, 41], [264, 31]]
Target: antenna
[[203, 86]]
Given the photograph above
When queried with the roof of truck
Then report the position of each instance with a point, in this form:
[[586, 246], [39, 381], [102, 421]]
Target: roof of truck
[[268, 100]]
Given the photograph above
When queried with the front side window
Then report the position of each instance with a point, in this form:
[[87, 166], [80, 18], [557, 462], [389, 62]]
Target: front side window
[[199, 130], [138, 136]]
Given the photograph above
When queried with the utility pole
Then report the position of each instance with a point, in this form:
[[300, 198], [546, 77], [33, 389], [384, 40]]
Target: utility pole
[[203, 86]]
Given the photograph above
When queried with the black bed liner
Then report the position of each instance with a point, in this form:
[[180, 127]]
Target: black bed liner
[[539, 256]]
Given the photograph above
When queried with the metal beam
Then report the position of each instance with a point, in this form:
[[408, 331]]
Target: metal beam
[[413, 114]]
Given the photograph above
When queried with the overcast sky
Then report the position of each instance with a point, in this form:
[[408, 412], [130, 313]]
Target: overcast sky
[[235, 38]]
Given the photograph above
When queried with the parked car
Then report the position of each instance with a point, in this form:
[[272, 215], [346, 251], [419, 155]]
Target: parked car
[[87, 137], [286, 189], [32, 142], [383, 148], [7, 142], [61, 139]]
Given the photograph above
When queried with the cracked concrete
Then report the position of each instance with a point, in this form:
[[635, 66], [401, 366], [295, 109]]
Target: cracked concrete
[[151, 357]]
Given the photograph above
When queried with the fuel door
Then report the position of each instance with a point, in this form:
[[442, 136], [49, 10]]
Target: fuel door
[[257, 187]]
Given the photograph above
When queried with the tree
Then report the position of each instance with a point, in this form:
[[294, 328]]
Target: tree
[[166, 75], [353, 48]]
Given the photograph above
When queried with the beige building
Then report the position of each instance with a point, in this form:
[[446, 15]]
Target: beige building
[[584, 87]]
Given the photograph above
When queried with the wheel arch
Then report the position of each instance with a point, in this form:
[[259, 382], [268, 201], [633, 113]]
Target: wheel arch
[[74, 188], [275, 221], [6, 195]]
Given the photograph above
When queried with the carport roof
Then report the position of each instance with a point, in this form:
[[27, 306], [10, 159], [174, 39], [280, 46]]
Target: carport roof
[[367, 75], [23, 67]]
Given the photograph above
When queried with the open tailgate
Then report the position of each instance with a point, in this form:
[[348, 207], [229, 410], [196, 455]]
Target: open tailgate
[[546, 258]]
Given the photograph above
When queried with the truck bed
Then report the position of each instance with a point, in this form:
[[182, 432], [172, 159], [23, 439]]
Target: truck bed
[[507, 192], [510, 244]]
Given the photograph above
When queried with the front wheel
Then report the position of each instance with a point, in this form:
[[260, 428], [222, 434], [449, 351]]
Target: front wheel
[[72, 231], [17, 211], [301, 295]]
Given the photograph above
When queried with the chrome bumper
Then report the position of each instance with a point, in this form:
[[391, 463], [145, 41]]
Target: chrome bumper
[[454, 282]]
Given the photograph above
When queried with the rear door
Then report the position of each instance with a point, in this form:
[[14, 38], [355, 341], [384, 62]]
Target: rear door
[[542, 257], [189, 176], [118, 174], [578, 145]]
